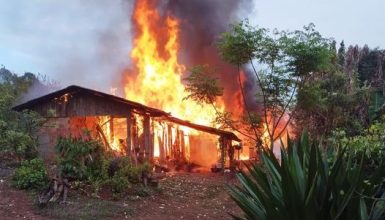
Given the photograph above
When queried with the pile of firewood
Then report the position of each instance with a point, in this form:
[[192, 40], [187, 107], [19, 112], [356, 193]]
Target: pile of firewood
[[56, 192]]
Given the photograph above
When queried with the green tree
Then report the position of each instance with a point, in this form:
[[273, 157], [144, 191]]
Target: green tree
[[341, 54], [204, 88], [284, 59], [324, 104], [18, 128], [348, 97]]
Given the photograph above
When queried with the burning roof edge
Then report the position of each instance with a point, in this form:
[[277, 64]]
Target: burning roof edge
[[152, 111], [74, 89], [204, 128]]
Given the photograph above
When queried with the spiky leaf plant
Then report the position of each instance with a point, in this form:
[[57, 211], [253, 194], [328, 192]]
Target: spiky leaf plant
[[306, 184]]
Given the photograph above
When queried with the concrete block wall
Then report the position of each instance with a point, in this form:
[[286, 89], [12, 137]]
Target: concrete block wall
[[48, 135]]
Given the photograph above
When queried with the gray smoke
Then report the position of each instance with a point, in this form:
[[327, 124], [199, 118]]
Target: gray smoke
[[202, 22]]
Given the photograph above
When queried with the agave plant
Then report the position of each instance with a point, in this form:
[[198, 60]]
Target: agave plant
[[307, 184]]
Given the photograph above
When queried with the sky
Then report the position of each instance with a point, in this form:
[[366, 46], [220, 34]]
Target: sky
[[87, 42], [354, 21], [69, 41]]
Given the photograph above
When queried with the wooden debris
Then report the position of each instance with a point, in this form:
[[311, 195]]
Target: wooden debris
[[103, 136], [56, 192]]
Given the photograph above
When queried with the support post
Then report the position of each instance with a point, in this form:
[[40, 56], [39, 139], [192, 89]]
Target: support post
[[169, 142], [222, 145], [164, 140], [182, 145], [177, 144], [152, 138], [161, 142], [112, 129], [147, 134], [129, 134]]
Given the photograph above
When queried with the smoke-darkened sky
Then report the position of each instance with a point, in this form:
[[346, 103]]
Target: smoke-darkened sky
[[87, 42]]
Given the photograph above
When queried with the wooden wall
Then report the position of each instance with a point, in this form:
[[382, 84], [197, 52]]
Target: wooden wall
[[82, 104]]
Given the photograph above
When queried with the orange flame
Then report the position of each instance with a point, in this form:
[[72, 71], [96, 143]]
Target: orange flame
[[156, 76], [280, 131], [244, 157], [155, 55], [105, 123]]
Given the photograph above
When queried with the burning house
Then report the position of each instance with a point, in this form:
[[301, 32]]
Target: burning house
[[125, 127], [167, 38]]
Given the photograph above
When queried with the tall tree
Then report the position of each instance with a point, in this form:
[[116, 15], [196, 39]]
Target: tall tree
[[284, 59], [341, 55], [17, 129]]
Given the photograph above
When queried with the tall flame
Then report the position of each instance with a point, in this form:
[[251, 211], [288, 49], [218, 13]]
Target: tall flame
[[158, 81], [156, 75]]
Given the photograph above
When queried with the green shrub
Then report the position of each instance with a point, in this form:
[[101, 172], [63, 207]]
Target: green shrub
[[119, 184], [370, 144], [123, 173], [31, 175], [80, 159], [20, 144], [308, 184], [17, 135], [143, 191], [88, 162], [97, 169], [130, 171], [124, 167]]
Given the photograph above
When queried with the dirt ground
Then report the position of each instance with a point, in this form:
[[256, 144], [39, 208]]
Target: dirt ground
[[14, 204], [180, 196]]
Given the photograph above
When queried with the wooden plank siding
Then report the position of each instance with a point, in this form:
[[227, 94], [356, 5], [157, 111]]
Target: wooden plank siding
[[82, 105], [75, 101]]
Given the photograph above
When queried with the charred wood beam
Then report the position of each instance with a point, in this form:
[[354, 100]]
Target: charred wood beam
[[161, 148], [57, 191], [147, 134], [177, 144], [202, 128], [152, 138], [169, 140], [103, 136], [112, 129], [129, 133], [182, 144]]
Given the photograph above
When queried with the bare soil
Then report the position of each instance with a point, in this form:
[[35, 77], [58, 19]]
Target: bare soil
[[178, 196], [14, 204]]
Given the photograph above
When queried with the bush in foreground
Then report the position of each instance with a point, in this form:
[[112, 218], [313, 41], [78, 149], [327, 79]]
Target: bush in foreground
[[88, 162], [370, 143], [308, 184], [80, 159], [32, 174]]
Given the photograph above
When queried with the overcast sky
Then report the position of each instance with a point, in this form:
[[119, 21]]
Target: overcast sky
[[88, 40], [355, 21], [71, 41]]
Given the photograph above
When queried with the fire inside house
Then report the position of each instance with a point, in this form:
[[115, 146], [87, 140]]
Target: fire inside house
[[126, 128]]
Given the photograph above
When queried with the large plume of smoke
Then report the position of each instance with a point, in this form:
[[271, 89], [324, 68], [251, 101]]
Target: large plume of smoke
[[93, 50], [101, 51], [201, 24], [41, 85]]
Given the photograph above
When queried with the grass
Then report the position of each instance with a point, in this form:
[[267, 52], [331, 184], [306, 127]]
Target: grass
[[86, 208]]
